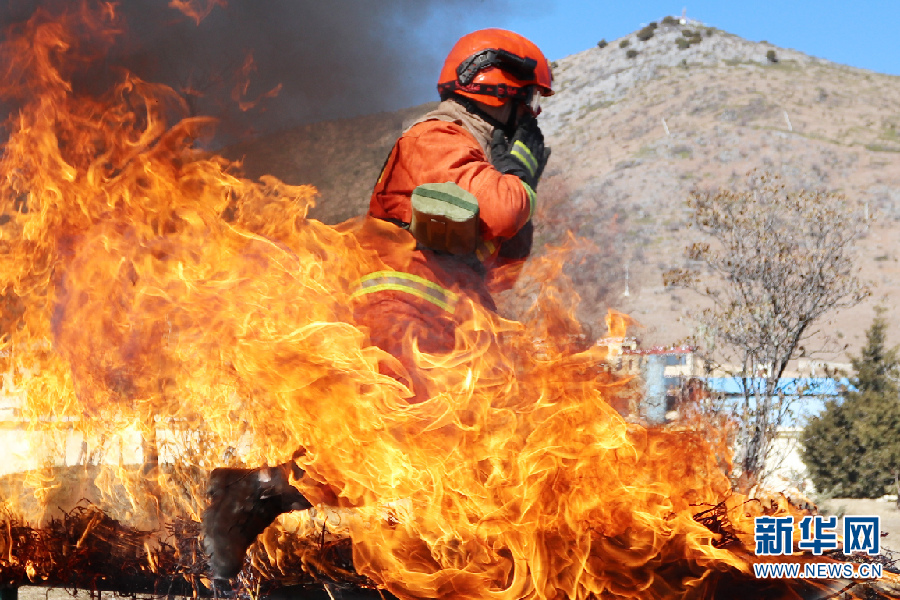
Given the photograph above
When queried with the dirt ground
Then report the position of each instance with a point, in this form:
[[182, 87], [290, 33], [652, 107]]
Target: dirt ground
[[890, 516]]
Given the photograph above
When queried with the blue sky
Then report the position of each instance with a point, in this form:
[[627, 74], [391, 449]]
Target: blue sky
[[860, 33]]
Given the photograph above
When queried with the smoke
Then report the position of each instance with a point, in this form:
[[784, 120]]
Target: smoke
[[325, 60]]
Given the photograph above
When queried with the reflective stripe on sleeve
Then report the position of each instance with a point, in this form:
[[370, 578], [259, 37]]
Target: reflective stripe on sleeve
[[532, 200], [521, 152], [407, 283], [486, 250]]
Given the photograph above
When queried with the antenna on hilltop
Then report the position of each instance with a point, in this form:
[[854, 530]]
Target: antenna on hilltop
[[684, 15]]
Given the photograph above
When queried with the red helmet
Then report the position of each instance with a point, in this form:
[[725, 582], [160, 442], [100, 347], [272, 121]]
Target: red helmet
[[493, 65]]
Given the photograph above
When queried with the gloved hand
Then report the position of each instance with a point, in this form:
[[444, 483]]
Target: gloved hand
[[518, 246], [524, 155]]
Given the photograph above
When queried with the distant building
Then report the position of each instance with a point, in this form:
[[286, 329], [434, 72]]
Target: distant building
[[672, 375], [665, 371]]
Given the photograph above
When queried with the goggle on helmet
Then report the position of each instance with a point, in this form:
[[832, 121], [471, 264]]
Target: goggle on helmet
[[493, 66]]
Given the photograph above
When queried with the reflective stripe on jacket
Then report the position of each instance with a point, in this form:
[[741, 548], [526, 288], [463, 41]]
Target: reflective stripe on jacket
[[407, 283]]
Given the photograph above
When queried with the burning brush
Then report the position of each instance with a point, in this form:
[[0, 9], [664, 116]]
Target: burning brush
[[165, 304]]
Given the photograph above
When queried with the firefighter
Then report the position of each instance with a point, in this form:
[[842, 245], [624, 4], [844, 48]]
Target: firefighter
[[452, 205], [459, 187]]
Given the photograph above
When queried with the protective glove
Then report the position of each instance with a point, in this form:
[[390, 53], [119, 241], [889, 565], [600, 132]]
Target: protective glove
[[518, 246], [524, 155]]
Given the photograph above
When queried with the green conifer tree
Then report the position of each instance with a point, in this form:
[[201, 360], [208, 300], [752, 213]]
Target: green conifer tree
[[853, 448]]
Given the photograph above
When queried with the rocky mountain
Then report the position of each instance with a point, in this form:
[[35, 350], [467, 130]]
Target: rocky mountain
[[635, 126]]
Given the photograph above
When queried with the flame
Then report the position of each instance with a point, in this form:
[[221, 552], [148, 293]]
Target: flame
[[242, 86], [617, 323], [196, 9], [171, 309]]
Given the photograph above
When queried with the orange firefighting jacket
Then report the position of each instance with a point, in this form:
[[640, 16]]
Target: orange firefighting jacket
[[452, 144], [448, 144], [415, 302]]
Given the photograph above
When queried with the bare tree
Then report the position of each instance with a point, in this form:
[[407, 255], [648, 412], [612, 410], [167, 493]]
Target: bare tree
[[772, 262]]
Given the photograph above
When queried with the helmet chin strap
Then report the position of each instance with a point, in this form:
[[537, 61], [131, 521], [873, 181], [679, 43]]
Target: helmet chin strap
[[513, 119]]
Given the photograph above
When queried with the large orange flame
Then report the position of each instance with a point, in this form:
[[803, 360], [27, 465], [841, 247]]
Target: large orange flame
[[162, 298]]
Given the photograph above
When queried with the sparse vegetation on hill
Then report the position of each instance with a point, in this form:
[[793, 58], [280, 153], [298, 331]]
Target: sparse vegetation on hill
[[646, 32], [643, 134], [688, 38]]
